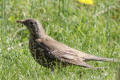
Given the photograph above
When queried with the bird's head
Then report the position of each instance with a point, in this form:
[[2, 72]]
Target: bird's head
[[33, 26]]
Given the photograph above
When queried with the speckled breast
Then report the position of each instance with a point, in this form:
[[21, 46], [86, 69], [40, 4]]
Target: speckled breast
[[42, 55], [37, 52]]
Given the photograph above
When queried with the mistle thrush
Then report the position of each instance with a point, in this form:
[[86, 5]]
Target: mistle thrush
[[49, 52]]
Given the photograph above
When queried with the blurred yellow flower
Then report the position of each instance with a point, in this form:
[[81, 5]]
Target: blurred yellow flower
[[86, 1]]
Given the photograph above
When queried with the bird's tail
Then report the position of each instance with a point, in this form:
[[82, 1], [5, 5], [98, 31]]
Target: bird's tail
[[101, 59]]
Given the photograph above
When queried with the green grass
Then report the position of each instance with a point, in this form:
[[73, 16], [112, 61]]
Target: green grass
[[67, 21]]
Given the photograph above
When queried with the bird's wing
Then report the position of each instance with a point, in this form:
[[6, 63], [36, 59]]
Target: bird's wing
[[63, 52], [67, 54]]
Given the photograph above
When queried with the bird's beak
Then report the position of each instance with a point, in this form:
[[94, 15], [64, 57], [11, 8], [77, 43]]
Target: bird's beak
[[21, 21]]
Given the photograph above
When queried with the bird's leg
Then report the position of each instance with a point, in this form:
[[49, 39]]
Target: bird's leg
[[52, 70]]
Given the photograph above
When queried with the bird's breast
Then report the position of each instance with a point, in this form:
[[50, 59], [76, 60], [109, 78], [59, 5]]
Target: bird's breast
[[41, 53]]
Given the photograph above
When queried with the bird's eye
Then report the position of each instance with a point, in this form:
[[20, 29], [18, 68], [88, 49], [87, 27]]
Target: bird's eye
[[31, 23]]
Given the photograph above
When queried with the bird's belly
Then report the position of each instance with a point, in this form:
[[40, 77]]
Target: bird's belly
[[38, 54], [41, 55]]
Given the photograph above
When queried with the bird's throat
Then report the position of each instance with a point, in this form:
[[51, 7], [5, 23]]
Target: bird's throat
[[37, 31], [37, 34]]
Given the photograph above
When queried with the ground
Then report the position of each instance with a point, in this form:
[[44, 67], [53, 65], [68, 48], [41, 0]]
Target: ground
[[94, 29]]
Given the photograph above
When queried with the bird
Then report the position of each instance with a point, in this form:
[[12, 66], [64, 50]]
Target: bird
[[51, 53]]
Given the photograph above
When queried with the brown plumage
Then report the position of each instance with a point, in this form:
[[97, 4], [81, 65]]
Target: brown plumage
[[49, 52]]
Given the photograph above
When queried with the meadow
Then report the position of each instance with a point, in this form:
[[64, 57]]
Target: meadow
[[94, 29]]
